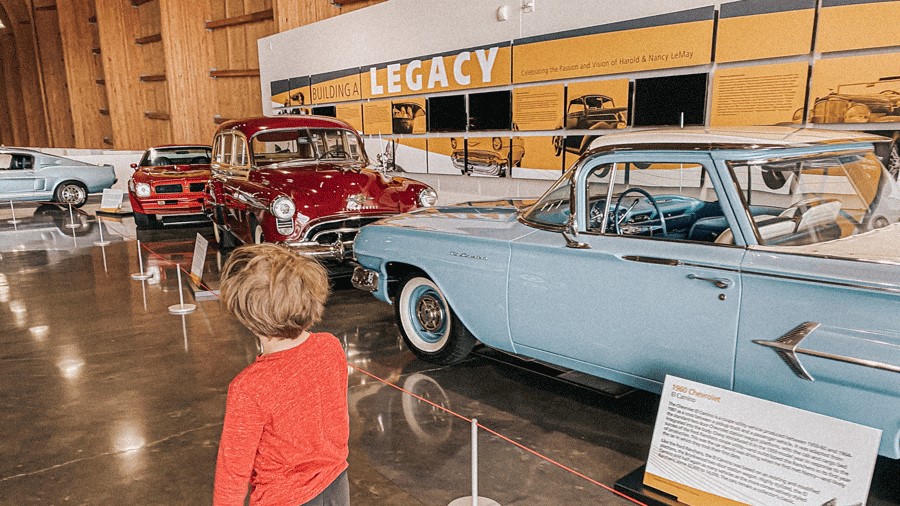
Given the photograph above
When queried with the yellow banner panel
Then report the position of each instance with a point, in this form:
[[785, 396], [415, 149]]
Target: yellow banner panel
[[765, 35], [652, 48], [858, 26], [686, 494], [377, 117], [478, 68], [441, 154], [540, 160], [856, 89], [351, 113], [411, 155], [342, 89], [408, 116], [758, 95], [538, 107], [597, 105]]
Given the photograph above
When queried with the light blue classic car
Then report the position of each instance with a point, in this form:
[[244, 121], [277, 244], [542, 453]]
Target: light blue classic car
[[26, 174], [762, 260]]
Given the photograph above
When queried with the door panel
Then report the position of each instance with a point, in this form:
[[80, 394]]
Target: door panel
[[629, 309]]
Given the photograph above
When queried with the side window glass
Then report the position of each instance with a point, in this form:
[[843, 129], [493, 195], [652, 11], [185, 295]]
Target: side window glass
[[24, 162], [240, 151], [658, 200], [227, 140]]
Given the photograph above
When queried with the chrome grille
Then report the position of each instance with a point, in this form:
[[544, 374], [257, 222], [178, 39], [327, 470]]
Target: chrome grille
[[169, 188], [345, 230]]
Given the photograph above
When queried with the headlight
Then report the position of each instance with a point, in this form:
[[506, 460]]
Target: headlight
[[427, 197], [282, 208], [857, 113], [142, 189]]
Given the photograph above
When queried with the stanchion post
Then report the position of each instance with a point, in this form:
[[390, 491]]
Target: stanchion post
[[181, 308], [140, 276], [13, 221], [101, 242], [474, 499], [72, 223]]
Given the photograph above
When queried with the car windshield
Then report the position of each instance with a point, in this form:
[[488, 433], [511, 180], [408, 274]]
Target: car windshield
[[598, 102], [553, 208], [191, 155], [306, 144], [818, 199]]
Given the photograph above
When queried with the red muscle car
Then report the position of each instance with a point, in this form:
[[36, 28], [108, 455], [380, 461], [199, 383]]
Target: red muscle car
[[168, 185], [300, 181]]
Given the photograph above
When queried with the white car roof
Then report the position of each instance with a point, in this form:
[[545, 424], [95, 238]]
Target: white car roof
[[732, 137]]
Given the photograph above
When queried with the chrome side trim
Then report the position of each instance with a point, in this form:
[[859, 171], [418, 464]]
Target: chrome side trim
[[787, 347], [676, 263], [884, 289]]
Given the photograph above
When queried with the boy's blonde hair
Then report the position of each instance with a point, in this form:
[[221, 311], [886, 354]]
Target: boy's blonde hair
[[274, 292]]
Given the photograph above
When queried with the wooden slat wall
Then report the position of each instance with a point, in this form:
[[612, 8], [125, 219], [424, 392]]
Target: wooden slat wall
[[234, 48], [189, 56], [31, 105], [83, 70], [53, 71], [292, 14], [152, 77], [118, 23], [71, 70]]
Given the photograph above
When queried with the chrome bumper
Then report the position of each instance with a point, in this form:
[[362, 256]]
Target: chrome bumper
[[364, 279], [335, 251]]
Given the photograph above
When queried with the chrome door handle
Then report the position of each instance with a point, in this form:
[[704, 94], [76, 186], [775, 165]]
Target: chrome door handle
[[722, 283]]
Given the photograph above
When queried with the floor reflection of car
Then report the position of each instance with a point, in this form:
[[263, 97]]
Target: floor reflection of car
[[168, 185], [47, 228], [406, 116], [26, 174], [588, 112], [476, 156], [300, 181], [664, 252]]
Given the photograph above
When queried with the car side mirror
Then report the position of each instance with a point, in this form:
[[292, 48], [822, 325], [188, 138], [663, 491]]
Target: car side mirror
[[134, 166], [571, 233]]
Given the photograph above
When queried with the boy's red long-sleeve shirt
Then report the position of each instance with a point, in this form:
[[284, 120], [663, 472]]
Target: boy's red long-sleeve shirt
[[286, 426]]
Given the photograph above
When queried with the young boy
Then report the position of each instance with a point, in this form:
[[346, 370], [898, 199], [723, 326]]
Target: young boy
[[286, 424]]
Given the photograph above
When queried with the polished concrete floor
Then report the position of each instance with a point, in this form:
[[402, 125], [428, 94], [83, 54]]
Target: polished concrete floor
[[109, 399]]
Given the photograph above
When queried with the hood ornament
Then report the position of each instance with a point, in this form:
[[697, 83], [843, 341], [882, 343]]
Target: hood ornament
[[358, 201]]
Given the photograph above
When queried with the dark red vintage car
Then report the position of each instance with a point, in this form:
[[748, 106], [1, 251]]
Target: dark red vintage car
[[300, 181], [168, 185]]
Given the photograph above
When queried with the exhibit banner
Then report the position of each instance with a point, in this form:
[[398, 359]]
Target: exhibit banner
[[759, 95], [757, 29], [712, 446], [351, 113], [539, 159], [446, 155], [334, 87], [538, 107], [408, 116], [856, 89], [289, 92], [857, 24], [456, 70], [679, 39], [410, 155], [593, 105], [377, 118]]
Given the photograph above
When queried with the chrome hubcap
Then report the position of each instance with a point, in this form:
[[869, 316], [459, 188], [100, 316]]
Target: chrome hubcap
[[429, 313], [72, 194]]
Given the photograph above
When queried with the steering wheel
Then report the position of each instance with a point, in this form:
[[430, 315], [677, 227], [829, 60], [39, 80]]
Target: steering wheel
[[617, 221], [336, 153]]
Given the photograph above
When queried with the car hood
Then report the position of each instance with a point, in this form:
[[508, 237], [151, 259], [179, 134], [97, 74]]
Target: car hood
[[173, 172], [329, 189], [881, 245], [497, 219]]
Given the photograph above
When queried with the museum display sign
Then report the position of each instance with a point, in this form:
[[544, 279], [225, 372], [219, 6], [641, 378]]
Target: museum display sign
[[712, 446]]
